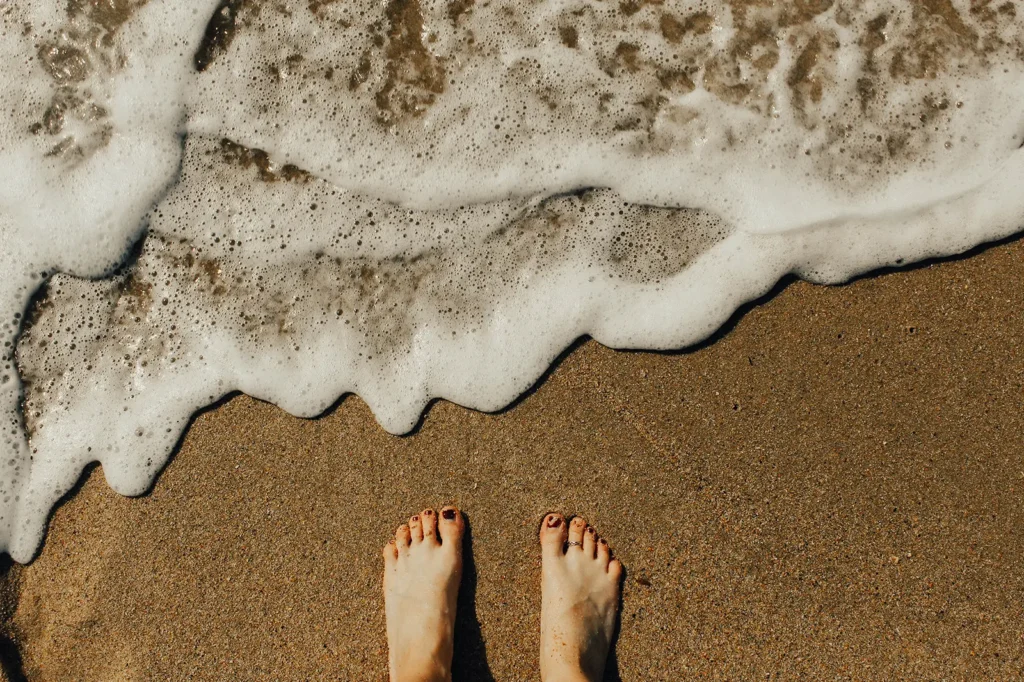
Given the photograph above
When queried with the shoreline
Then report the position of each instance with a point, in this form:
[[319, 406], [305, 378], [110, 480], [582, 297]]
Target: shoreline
[[829, 488]]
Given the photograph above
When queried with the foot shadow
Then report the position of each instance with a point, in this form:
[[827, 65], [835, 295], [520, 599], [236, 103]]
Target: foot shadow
[[469, 662], [611, 672], [10, 657], [10, 660]]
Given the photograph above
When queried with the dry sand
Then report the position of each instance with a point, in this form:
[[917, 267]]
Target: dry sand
[[831, 490]]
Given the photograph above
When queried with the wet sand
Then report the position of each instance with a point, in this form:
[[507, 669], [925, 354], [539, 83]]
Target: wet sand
[[830, 490]]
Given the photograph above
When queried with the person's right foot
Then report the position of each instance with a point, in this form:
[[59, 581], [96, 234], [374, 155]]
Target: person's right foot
[[579, 601]]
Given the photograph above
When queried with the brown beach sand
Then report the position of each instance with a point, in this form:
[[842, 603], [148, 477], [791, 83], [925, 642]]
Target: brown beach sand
[[832, 490]]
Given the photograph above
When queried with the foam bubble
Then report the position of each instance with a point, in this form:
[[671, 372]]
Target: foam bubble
[[415, 199]]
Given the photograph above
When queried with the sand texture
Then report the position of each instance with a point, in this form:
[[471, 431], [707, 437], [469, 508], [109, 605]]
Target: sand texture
[[831, 489]]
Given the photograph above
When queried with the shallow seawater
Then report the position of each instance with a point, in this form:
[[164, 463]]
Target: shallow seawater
[[419, 199]]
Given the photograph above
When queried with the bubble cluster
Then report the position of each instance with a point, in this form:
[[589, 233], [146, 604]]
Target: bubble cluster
[[245, 265], [413, 199], [433, 103]]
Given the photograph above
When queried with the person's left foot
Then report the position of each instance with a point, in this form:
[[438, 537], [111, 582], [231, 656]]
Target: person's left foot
[[422, 569]]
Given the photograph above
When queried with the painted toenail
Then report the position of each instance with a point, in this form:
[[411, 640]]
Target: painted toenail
[[449, 514], [427, 513], [554, 522], [603, 541], [416, 518], [590, 530]]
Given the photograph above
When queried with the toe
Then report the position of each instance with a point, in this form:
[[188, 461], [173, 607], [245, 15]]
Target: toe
[[428, 520], [552, 534], [590, 542], [576, 528], [390, 554], [604, 552], [402, 538], [451, 527], [615, 570], [416, 529]]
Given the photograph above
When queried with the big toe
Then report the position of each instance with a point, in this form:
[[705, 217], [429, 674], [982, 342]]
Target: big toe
[[553, 534], [451, 527]]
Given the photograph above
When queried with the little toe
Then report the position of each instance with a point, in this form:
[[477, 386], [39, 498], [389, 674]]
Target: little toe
[[590, 542], [552, 534], [451, 527], [576, 528], [604, 552], [402, 538], [416, 529], [390, 553], [428, 521], [615, 569]]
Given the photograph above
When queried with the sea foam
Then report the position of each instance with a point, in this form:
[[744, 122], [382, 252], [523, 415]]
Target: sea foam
[[411, 200]]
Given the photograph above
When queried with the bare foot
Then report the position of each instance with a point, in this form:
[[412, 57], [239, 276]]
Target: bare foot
[[579, 601], [422, 569]]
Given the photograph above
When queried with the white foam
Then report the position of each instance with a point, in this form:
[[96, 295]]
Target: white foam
[[86, 146], [523, 114], [426, 249]]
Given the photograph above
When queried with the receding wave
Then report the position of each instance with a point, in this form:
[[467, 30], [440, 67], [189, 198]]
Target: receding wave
[[413, 200]]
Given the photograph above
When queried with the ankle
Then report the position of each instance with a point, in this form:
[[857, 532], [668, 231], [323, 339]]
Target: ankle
[[565, 671], [423, 669], [436, 674], [565, 674]]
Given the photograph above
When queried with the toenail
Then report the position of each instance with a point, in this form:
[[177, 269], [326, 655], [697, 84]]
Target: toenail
[[603, 541], [590, 530], [554, 522], [427, 513], [448, 514], [416, 518]]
